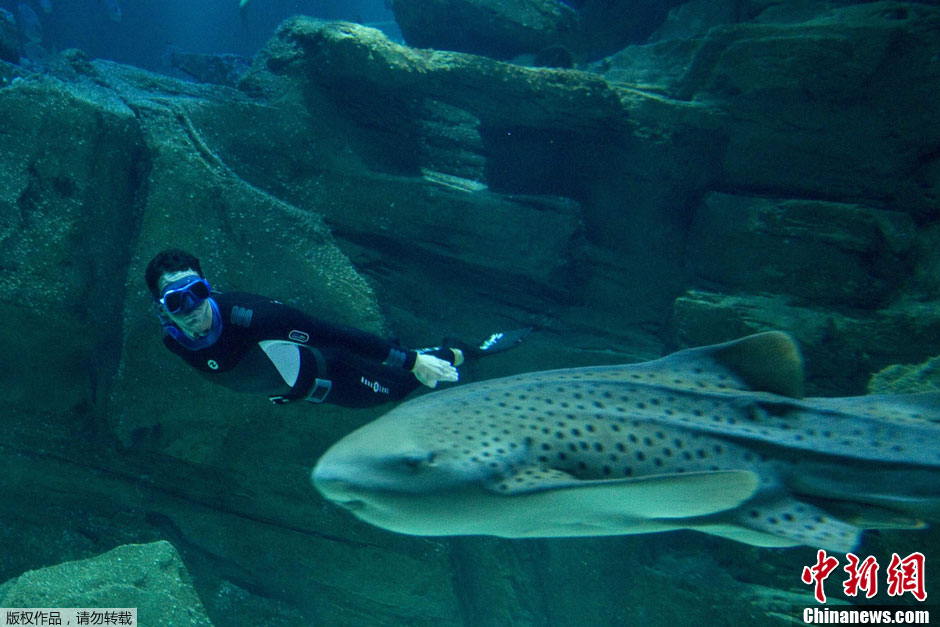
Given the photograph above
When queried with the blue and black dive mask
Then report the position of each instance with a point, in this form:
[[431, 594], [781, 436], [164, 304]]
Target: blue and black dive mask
[[185, 295]]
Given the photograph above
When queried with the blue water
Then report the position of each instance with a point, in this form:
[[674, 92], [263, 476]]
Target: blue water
[[148, 28]]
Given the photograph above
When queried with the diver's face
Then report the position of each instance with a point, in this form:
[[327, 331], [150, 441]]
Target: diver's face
[[195, 322]]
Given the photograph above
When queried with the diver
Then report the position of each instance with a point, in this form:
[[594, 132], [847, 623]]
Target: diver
[[250, 343]]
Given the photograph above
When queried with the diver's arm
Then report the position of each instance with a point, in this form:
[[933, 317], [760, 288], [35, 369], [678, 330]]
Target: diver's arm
[[275, 319]]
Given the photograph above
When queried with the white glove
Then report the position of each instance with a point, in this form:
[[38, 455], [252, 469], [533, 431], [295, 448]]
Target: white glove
[[429, 370]]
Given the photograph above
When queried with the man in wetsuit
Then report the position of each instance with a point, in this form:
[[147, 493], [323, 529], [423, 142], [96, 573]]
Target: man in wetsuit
[[250, 343]]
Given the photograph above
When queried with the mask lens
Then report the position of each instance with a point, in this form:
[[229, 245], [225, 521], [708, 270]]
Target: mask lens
[[173, 301], [200, 289]]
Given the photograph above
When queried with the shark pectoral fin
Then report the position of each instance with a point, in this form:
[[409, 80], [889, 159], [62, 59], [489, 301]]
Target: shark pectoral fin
[[748, 536], [658, 497]]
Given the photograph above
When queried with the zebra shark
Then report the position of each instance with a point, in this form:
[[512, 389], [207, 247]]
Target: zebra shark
[[718, 439]]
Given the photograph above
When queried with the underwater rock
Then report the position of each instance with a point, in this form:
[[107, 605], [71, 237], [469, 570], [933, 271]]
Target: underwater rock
[[773, 12], [436, 140], [217, 69], [860, 255], [334, 56], [611, 25], [842, 346], [907, 378], [693, 19], [657, 67], [796, 128], [502, 30], [795, 124], [499, 29], [9, 38], [149, 577], [554, 56], [68, 180], [776, 607]]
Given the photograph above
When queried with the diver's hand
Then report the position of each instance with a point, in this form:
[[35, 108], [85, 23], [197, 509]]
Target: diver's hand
[[429, 370]]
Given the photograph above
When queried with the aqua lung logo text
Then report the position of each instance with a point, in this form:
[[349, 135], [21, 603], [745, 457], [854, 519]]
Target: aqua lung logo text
[[375, 386], [213, 364]]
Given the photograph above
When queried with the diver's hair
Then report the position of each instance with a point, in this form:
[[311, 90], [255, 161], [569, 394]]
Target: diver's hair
[[169, 261]]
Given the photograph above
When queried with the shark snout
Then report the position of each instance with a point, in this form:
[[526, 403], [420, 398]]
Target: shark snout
[[343, 477], [334, 481]]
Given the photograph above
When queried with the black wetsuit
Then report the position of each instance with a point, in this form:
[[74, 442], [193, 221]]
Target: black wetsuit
[[337, 364]]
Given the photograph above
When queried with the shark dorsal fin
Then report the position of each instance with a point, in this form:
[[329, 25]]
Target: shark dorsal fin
[[766, 362]]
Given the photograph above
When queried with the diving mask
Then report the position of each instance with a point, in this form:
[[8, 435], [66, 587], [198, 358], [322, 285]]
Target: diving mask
[[185, 295]]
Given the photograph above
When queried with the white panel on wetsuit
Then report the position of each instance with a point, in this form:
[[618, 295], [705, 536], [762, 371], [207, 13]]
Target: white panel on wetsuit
[[286, 358]]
